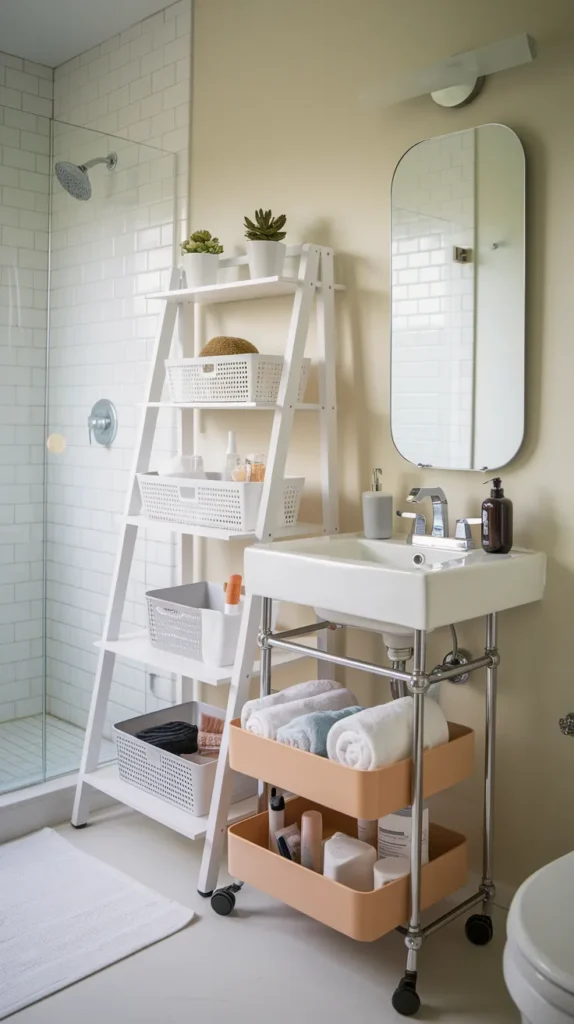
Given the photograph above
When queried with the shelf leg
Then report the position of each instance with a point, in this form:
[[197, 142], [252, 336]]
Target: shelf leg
[[221, 799], [264, 689], [420, 684], [104, 673], [491, 648]]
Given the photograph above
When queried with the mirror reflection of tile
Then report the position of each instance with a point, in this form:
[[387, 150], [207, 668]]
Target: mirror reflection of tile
[[458, 321]]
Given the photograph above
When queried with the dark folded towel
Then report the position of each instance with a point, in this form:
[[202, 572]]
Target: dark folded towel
[[175, 737]]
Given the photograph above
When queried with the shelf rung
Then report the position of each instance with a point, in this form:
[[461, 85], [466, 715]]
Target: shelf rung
[[222, 406], [107, 780], [236, 291], [299, 530], [137, 647]]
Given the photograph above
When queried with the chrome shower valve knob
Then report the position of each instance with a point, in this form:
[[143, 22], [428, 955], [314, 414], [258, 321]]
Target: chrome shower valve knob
[[103, 422]]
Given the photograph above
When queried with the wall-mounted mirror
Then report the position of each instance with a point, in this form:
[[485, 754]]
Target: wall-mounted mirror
[[457, 377]]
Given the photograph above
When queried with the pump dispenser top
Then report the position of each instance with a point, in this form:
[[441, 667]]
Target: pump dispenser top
[[497, 520]]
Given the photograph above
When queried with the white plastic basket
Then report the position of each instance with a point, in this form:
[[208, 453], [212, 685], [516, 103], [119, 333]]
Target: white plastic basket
[[183, 783], [242, 378], [190, 620], [216, 503]]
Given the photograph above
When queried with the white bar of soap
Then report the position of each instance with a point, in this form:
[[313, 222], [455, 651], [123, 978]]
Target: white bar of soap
[[350, 862]]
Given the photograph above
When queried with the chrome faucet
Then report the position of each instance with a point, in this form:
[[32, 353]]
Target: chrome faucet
[[438, 538], [439, 507]]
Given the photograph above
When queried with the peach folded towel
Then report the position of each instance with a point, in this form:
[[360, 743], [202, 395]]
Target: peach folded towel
[[297, 692], [267, 721], [382, 735]]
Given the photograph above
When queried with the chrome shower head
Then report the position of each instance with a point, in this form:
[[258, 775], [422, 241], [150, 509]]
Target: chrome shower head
[[74, 177]]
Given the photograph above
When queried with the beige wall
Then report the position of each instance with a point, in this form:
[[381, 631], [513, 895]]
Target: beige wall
[[277, 123]]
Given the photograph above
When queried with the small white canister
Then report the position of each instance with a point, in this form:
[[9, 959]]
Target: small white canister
[[349, 861], [389, 869]]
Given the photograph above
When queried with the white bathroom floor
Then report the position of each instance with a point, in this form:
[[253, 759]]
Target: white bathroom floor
[[266, 963], [21, 750]]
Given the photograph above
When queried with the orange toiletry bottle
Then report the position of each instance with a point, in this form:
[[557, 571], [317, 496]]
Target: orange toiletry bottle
[[233, 596]]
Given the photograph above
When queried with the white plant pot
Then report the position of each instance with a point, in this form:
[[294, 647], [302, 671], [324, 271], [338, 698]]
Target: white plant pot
[[200, 268], [265, 258]]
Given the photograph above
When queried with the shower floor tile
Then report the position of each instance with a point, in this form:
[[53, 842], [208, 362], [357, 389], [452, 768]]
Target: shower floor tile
[[21, 750]]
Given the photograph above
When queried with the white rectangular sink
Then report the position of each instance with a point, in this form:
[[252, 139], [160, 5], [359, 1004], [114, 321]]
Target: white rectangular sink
[[380, 580]]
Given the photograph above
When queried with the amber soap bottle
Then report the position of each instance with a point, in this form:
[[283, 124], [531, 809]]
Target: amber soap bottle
[[497, 521]]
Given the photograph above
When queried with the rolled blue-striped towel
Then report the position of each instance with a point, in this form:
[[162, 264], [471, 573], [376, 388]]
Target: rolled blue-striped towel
[[309, 732]]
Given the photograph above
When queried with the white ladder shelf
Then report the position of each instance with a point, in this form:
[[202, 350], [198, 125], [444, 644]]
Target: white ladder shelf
[[313, 286]]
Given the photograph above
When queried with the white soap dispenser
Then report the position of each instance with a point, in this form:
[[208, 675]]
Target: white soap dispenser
[[377, 511]]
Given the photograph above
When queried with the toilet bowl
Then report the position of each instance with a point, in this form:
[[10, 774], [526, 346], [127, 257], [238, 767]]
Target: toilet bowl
[[539, 952]]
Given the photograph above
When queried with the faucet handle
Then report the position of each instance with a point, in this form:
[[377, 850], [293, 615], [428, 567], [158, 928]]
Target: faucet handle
[[463, 527], [419, 523]]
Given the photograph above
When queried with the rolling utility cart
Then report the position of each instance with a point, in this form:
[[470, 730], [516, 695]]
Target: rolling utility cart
[[345, 794]]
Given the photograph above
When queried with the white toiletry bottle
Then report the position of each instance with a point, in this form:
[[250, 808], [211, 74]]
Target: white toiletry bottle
[[377, 511], [231, 456], [232, 604], [395, 834]]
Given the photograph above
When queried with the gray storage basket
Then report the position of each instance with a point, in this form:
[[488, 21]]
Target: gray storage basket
[[190, 620], [174, 625], [186, 785]]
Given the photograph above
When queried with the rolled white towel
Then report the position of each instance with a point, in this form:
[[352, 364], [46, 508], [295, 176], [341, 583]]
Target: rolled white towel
[[297, 692], [268, 720], [382, 735]]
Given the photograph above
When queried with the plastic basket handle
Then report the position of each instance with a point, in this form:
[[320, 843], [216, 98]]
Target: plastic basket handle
[[189, 494], [209, 369]]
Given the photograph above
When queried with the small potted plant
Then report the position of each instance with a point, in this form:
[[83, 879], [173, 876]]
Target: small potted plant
[[265, 249], [200, 261]]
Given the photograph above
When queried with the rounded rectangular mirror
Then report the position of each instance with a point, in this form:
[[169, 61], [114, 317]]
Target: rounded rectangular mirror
[[458, 293]]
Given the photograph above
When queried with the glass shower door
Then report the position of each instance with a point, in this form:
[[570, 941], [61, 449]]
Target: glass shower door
[[24, 223]]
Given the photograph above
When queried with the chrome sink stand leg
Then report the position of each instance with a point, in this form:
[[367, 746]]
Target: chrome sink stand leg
[[491, 649], [405, 999], [264, 686], [479, 928]]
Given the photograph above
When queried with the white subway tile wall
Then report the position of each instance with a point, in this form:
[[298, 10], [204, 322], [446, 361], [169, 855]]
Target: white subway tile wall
[[25, 109], [433, 302], [108, 253]]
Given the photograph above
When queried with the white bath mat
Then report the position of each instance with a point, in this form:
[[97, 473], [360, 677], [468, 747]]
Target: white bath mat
[[65, 915]]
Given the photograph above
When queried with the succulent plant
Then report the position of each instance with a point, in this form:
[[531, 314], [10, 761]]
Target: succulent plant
[[201, 241], [267, 227]]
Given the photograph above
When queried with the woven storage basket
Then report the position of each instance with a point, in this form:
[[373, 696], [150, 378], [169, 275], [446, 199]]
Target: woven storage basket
[[240, 378], [190, 620], [186, 785], [216, 503]]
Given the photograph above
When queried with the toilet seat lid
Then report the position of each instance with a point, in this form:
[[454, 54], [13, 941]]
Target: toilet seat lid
[[541, 922]]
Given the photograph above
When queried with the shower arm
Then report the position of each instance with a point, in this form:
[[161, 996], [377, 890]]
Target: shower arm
[[110, 161]]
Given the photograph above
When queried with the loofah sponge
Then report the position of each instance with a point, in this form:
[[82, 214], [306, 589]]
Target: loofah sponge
[[224, 346]]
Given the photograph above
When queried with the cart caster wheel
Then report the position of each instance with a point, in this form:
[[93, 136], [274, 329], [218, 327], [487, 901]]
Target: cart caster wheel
[[223, 900], [405, 998], [479, 929]]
